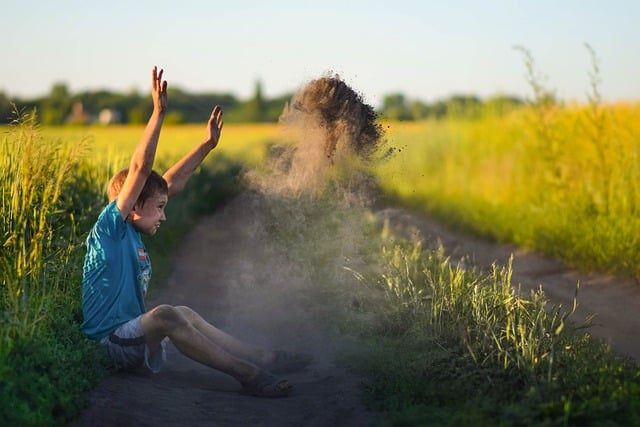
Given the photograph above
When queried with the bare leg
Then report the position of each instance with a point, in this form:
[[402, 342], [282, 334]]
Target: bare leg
[[179, 324], [229, 343]]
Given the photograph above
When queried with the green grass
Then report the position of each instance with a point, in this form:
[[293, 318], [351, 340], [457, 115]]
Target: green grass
[[452, 345], [46, 363], [560, 179]]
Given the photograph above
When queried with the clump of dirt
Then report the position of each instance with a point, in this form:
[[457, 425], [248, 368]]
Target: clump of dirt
[[326, 129], [341, 112]]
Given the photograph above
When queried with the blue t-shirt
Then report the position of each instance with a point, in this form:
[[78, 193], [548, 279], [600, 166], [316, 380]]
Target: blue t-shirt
[[116, 274]]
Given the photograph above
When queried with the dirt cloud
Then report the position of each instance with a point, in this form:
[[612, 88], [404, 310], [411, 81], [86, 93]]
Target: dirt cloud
[[302, 219]]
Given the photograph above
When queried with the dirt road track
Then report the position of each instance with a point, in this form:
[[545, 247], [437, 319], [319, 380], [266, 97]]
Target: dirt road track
[[224, 252]]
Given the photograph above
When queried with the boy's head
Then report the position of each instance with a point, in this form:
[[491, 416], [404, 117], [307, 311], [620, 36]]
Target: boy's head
[[155, 184]]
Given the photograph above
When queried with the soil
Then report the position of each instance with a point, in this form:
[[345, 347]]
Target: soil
[[222, 253]]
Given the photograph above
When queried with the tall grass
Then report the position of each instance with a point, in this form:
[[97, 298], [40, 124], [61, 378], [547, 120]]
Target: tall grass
[[452, 345], [46, 363], [483, 312], [37, 239], [562, 179]]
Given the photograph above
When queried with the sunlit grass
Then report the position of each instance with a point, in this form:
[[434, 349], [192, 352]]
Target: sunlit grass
[[46, 362], [564, 180], [33, 176], [453, 345]]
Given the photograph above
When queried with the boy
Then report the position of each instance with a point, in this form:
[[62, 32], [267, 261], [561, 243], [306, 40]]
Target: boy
[[117, 271]]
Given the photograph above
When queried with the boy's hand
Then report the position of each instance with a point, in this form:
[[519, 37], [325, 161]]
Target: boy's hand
[[214, 126], [158, 90]]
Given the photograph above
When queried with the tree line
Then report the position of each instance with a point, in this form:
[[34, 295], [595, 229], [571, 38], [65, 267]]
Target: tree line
[[60, 107]]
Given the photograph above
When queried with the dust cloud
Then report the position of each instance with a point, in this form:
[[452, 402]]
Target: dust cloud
[[302, 221], [326, 128]]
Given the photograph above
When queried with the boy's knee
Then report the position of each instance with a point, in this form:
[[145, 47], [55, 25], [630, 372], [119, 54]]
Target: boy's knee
[[184, 310], [166, 316]]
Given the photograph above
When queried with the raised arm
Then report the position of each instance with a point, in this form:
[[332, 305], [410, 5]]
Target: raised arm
[[178, 175], [144, 155]]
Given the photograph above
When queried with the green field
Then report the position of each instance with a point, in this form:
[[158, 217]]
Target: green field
[[560, 179], [245, 142]]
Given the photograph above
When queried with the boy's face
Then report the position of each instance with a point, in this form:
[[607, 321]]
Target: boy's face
[[147, 219]]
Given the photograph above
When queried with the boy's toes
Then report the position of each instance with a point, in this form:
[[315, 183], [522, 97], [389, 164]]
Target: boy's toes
[[267, 385]]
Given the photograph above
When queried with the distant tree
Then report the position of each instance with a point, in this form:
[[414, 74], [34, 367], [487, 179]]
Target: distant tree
[[56, 107], [195, 108], [439, 109], [254, 109], [274, 107], [502, 104], [395, 107], [463, 106], [420, 110], [184, 107], [6, 109], [136, 107]]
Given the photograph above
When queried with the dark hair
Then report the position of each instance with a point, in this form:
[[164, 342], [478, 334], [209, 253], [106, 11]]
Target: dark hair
[[155, 184]]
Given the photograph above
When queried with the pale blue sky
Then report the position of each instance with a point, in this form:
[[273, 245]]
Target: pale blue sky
[[425, 49]]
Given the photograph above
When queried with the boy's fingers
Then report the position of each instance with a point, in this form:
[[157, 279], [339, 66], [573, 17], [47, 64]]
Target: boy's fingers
[[163, 84], [218, 113], [153, 76], [156, 78]]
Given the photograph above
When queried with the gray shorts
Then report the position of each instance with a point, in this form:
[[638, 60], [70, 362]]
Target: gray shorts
[[128, 349]]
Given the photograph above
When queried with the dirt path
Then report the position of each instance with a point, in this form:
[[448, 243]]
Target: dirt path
[[225, 252], [217, 260]]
